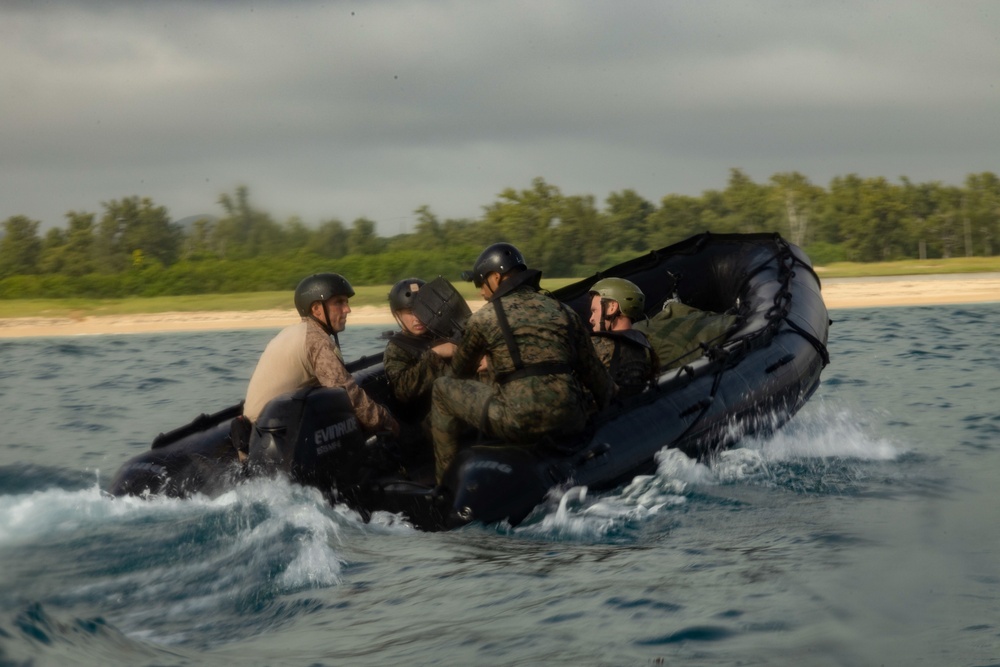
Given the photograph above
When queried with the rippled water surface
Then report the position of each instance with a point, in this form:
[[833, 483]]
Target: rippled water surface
[[866, 532]]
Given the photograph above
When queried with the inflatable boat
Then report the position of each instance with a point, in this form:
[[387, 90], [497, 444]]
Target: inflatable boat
[[748, 375]]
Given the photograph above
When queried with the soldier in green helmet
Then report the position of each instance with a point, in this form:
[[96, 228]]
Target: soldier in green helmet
[[615, 304], [538, 353]]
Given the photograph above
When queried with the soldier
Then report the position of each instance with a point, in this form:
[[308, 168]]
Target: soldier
[[615, 304], [540, 356], [308, 353], [414, 358]]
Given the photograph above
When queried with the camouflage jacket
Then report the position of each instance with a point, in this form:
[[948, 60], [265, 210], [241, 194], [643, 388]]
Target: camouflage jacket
[[629, 358], [555, 352], [412, 367]]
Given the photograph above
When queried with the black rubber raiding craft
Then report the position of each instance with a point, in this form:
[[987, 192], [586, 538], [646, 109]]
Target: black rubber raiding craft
[[749, 380]]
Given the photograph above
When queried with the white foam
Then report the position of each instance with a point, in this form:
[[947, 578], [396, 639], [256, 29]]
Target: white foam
[[57, 510], [826, 432], [316, 528], [316, 563], [819, 433], [736, 465], [261, 515], [569, 513]]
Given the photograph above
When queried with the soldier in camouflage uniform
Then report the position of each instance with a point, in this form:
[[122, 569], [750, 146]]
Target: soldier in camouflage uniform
[[627, 354], [540, 357], [413, 359]]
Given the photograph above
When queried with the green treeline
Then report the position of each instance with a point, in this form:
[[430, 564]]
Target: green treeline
[[134, 248]]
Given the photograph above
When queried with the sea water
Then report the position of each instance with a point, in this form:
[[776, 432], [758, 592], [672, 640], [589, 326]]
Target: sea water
[[865, 532]]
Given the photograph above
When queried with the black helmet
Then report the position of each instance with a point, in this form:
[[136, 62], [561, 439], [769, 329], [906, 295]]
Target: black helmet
[[401, 294], [499, 258], [320, 287]]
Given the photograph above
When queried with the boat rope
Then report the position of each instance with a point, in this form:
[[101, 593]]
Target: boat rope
[[726, 355], [777, 314], [789, 263]]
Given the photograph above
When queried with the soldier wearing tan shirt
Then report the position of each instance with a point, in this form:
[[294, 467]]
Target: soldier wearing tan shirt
[[308, 354]]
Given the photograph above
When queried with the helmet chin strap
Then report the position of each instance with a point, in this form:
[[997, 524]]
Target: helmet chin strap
[[489, 287], [325, 325], [604, 315]]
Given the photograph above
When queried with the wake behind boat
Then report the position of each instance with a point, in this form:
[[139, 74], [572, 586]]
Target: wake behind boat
[[761, 347]]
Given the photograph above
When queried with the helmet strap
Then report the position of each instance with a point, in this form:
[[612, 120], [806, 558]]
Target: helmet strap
[[486, 282], [325, 326], [605, 304]]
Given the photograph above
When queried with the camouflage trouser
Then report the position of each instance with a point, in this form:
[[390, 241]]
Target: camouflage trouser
[[515, 417], [455, 404]]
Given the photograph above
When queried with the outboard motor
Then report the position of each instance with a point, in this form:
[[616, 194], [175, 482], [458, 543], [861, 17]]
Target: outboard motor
[[495, 483], [313, 436]]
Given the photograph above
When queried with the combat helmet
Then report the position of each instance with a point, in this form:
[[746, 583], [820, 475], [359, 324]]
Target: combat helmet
[[499, 258], [320, 287], [627, 294], [401, 294]]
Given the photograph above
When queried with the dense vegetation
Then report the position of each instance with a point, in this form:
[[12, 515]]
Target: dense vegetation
[[135, 249]]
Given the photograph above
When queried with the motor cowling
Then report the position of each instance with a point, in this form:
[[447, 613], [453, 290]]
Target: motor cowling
[[494, 483], [313, 435]]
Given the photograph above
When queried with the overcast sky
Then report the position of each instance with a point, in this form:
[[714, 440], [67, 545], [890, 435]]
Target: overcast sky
[[348, 109]]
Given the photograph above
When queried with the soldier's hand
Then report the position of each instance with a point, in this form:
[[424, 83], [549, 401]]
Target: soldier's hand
[[445, 350]]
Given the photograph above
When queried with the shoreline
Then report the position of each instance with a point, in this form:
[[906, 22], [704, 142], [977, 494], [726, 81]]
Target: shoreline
[[838, 293]]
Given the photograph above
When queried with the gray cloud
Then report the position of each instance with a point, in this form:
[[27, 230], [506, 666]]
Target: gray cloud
[[347, 109]]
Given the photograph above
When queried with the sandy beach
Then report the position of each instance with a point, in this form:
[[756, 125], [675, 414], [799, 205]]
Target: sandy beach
[[837, 292]]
